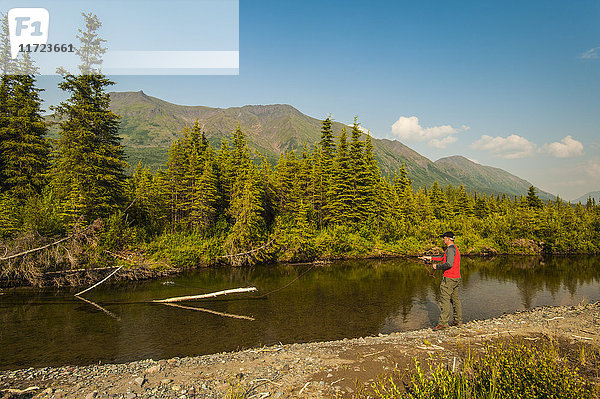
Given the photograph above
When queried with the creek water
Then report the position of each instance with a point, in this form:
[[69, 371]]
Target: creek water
[[343, 299]]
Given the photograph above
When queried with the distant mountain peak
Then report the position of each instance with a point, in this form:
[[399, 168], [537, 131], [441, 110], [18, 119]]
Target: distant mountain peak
[[583, 199]]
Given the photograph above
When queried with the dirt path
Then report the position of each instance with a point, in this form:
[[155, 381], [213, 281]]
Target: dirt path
[[314, 370]]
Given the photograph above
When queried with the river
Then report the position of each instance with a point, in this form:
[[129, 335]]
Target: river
[[344, 299]]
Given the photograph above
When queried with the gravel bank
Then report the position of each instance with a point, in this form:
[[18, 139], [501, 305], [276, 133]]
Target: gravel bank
[[313, 370]]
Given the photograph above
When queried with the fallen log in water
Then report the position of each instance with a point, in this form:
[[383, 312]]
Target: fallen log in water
[[97, 284], [211, 295]]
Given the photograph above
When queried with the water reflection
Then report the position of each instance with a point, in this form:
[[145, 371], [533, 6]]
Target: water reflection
[[343, 299]]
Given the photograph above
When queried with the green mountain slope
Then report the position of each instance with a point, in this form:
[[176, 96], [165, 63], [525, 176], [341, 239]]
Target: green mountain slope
[[149, 126], [487, 179]]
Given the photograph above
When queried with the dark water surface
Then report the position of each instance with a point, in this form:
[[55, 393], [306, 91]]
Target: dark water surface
[[341, 300]]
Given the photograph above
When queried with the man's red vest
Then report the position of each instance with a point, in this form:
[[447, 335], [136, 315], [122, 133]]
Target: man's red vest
[[454, 271]]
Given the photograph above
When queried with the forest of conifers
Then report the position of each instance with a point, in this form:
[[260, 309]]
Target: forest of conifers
[[328, 200]]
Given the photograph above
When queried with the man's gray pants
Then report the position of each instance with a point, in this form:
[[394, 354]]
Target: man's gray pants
[[449, 292]]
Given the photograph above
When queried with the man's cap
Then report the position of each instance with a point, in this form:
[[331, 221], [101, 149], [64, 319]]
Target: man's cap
[[448, 234]]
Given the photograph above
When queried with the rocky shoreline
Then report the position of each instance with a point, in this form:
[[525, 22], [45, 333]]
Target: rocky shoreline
[[311, 370]]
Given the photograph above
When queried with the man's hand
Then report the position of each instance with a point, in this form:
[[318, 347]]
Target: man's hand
[[425, 258]]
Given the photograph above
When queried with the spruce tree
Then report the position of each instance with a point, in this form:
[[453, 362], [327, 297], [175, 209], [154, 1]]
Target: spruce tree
[[290, 182], [176, 171], [373, 186], [533, 201], [404, 193], [340, 198], [463, 204], [6, 82], [89, 168], [226, 173], [24, 147], [438, 201], [267, 187], [327, 142], [304, 174], [361, 182], [147, 196], [246, 212], [322, 170]]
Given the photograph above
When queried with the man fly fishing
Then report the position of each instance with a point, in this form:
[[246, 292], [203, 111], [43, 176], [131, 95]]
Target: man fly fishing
[[449, 288]]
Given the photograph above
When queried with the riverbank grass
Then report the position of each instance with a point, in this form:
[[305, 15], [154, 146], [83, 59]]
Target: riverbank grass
[[504, 369]]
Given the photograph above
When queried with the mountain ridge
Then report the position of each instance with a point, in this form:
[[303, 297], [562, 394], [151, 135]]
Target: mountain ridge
[[583, 199], [149, 126], [488, 178]]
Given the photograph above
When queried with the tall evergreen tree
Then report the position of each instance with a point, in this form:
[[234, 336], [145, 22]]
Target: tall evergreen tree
[[327, 142], [23, 147], [176, 171], [246, 212], [322, 170], [89, 168], [340, 198], [438, 201], [206, 195], [533, 201], [6, 82], [463, 204], [361, 179], [287, 182]]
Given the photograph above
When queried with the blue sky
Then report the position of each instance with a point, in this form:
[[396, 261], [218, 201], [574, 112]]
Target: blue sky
[[511, 84]]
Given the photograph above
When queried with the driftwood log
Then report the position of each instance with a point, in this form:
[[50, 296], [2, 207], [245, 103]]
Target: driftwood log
[[202, 296]]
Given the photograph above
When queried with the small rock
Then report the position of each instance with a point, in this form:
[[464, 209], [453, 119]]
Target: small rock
[[165, 381], [140, 381], [153, 369], [48, 391], [176, 387], [131, 395], [91, 395]]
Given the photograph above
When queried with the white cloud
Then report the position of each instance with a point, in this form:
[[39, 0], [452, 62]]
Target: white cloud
[[591, 54], [567, 148], [442, 143], [511, 147], [409, 129]]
